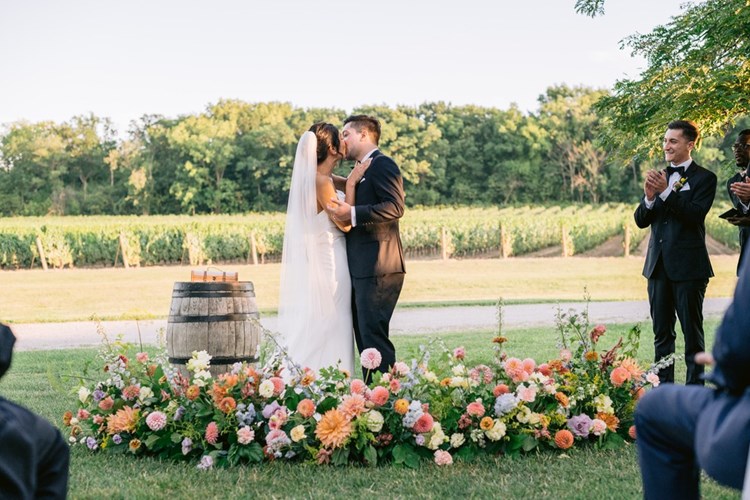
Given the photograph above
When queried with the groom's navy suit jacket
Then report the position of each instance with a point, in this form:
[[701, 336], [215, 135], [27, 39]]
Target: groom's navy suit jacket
[[678, 230], [373, 246]]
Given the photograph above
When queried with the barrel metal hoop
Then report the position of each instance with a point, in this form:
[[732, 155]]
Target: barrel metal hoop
[[210, 286], [218, 360], [215, 318], [182, 294]]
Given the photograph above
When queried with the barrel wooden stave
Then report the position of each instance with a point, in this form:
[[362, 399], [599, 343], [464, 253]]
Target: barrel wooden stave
[[220, 318]]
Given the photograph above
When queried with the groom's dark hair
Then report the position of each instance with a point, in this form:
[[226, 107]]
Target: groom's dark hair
[[369, 123]]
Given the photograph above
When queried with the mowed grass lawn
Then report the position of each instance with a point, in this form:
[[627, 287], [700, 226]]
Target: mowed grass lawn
[[582, 474], [117, 293]]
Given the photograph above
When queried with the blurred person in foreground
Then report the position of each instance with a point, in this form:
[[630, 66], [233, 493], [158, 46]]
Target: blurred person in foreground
[[34, 457], [683, 429]]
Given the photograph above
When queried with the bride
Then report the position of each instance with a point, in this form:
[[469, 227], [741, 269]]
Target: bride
[[315, 318]]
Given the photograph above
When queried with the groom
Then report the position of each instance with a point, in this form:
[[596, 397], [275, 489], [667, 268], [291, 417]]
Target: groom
[[373, 246]]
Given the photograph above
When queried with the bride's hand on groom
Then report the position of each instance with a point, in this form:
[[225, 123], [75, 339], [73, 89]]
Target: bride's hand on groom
[[339, 211], [358, 172]]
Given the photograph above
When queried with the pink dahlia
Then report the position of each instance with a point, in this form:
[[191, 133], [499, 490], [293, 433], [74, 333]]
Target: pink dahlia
[[212, 433], [379, 395], [424, 424], [357, 386], [371, 359], [475, 409], [156, 420], [442, 457]]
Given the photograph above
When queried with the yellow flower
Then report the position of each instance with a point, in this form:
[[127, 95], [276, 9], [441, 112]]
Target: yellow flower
[[333, 429], [401, 406], [298, 433]]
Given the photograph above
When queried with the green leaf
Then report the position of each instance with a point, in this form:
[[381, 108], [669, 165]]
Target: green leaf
[[253, 452], [371, 455], [529, 443], [151, 441], [340, 456], [613, 441], [327, 404]]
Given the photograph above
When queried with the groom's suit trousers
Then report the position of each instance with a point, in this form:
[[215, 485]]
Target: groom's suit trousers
[[373, 302]]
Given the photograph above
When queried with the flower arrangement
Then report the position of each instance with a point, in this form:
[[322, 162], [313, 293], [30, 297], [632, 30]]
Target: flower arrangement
[[439, 409]]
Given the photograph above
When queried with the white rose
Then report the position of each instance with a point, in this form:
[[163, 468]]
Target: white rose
[[430, 377], [498, 431], [459, 370], [145, 393], [83, 394], [266, 389], [298, 433], [375, 421], [457, 440]]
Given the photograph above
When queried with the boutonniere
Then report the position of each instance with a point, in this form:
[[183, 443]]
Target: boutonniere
[[679, 184]]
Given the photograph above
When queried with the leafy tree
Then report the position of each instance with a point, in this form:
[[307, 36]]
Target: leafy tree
[[698, 69]]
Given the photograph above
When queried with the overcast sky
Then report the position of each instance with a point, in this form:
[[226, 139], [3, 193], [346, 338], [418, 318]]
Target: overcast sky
[[123, 59]]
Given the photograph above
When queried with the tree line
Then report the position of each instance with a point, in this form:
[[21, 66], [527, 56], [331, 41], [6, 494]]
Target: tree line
[[237, 157]]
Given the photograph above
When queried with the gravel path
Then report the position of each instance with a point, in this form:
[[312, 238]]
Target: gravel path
[[36, 336]]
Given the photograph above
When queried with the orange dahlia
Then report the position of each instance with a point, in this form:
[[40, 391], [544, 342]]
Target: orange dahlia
[[401, 406], [333, 429], [193, 392], [562, 398], [631, 366], [591, 356], [610, 419], [228, 404], [564, 439], [124, 420]]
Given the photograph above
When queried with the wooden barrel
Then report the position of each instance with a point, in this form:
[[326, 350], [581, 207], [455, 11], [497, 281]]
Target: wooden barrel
[[220, 318]]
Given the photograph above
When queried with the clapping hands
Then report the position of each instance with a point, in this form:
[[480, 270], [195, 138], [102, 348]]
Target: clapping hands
[[741, 190], [655, 183]]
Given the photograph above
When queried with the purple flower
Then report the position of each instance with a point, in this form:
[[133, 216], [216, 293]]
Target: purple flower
[[419, 440], [580, 425], [91, 443], [206, 462], [270, 409], [179, 412], [187, 445], [117, 439], [99, 395]]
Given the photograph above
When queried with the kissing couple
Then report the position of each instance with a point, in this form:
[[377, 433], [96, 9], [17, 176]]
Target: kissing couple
[[342, 266]]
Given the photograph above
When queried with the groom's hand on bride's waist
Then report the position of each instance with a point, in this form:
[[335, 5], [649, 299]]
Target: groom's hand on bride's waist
[[339, 210]]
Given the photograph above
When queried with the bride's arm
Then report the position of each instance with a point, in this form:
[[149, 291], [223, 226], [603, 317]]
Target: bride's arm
[[324, 191]]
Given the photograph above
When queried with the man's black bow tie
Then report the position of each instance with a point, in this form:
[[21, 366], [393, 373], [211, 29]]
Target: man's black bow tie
[[671, 170]]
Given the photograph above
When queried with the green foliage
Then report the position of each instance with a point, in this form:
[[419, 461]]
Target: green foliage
[[698, 69]]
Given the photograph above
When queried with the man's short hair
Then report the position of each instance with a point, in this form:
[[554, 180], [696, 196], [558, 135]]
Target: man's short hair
[[689, 129], [365, 122], [744, 133]]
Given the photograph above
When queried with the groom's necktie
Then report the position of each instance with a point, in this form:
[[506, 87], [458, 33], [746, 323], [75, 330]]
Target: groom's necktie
[[671, 170]]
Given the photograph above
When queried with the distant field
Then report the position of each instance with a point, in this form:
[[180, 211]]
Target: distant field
[[117, 293]]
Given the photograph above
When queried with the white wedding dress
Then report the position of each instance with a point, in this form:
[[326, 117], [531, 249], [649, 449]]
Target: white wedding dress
[[315, 317]]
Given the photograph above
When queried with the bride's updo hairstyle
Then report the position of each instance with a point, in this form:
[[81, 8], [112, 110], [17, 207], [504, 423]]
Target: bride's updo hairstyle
[[328, 137]]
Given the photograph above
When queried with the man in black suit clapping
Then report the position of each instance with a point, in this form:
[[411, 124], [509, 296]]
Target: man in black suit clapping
[[675, 204], [738, 187]]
